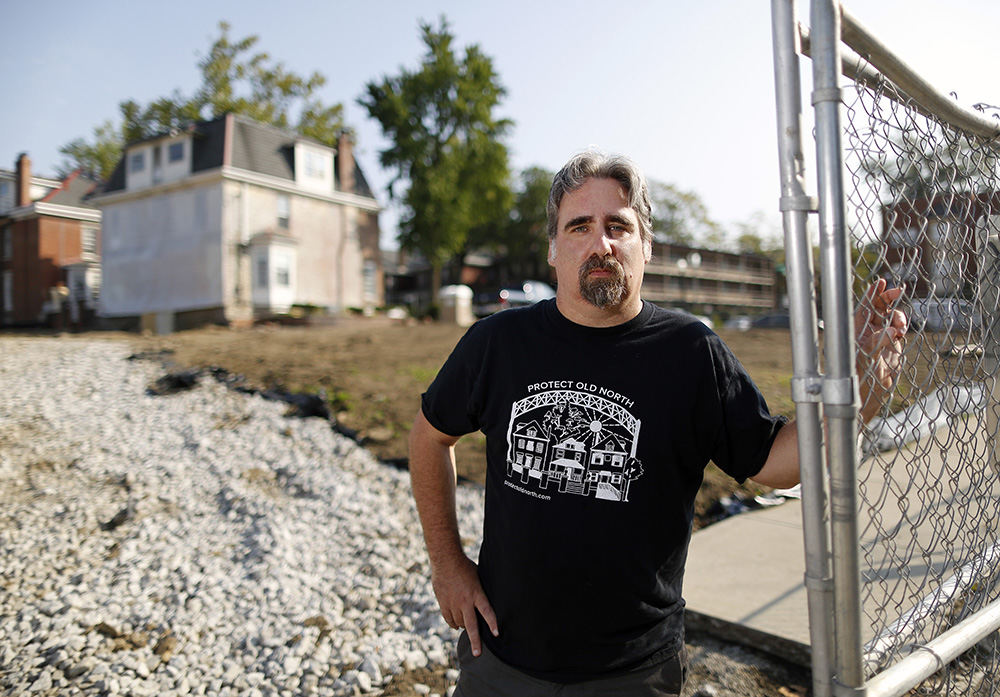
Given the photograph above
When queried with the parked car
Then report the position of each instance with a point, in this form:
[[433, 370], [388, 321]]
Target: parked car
[[779, 320], [740, 322], [528, 293], [944, 315]]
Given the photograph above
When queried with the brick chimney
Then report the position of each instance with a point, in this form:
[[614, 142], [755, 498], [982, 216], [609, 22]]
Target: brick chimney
[[345, 162], [23, 192]]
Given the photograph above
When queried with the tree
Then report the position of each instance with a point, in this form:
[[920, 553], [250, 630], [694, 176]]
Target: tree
[[446, 146], [756, 235], [96, 160], [232, 82], [632, 471], [681, 217], [523, 240], [911, 164]]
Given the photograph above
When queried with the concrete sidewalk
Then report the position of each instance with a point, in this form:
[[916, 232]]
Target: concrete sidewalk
[[744, 578], [744, 581]]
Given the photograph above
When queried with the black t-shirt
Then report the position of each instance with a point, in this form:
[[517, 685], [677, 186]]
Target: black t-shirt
[[597, 440]]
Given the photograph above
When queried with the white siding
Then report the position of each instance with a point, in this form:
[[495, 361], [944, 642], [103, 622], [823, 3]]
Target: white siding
[[163, 253]]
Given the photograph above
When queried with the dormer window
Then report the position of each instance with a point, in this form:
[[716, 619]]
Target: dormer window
[[314, 167]]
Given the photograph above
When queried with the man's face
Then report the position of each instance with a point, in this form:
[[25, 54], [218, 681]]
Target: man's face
[[598, 252]]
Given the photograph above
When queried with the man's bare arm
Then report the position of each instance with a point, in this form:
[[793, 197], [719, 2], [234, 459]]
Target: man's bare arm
[[453, 575], [880, 330]]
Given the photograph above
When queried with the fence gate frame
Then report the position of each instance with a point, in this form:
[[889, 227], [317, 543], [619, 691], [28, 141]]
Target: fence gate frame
[[829, 465]]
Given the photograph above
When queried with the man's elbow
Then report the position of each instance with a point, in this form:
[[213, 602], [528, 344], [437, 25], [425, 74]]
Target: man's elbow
[[782, 480]]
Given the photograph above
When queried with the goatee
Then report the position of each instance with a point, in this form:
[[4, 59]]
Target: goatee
[[603, 291]]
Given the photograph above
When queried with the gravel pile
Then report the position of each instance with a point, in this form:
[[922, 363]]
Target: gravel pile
[[197, 543]]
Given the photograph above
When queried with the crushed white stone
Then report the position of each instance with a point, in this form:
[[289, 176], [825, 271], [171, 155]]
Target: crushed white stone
[[199, 543]]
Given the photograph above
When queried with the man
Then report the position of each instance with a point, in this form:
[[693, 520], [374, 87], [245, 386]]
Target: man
[[600, 413]]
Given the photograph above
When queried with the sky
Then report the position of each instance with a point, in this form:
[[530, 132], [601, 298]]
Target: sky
[[684, 88]]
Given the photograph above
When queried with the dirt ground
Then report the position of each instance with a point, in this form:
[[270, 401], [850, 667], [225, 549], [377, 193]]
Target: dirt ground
[[370, 374]]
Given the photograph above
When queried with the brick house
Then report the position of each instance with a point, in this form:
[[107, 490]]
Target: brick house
[[231, 221], [933, 245], [49, 249]]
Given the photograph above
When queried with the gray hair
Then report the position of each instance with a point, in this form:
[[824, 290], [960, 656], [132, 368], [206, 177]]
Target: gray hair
[[592, 164]]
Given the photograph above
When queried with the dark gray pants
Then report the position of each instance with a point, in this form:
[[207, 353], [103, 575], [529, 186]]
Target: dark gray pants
[[488, 676]]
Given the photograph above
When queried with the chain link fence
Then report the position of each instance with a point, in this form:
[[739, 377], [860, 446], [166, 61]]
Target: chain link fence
[[921, 204]]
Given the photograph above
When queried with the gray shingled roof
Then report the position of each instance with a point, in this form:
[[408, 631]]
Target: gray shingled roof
[[263, 149], [255, 147], [74, 192]]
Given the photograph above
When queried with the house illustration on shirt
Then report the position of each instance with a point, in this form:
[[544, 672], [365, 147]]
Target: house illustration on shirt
[[574, 442], [531, 445]]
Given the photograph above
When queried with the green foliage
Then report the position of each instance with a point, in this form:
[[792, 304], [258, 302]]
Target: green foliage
[[233, 81], [445, 146], [522, 240], [681, 217], [756, 236], [97, 159]]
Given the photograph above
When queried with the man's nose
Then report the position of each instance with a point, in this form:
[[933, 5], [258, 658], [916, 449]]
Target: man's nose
[[601, 244]]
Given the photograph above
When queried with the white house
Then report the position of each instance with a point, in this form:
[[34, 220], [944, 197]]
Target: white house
[[230, 220]]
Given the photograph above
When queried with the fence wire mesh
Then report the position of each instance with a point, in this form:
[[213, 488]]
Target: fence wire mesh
[[924, 212]]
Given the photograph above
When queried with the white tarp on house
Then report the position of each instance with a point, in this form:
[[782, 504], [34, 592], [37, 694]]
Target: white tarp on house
[[163, 253]]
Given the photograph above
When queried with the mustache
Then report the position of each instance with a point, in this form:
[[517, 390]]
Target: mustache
[[595, 263]]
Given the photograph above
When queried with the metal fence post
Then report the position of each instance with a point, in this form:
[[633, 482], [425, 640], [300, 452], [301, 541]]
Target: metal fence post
[[840, 387], [989, 283], [795, 206]]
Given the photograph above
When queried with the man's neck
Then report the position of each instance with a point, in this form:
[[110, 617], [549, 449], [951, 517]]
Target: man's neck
[[584, 313]]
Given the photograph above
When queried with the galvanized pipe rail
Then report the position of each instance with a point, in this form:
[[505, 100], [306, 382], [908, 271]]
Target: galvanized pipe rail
[[874, 65], [795, 206], [841, 400]]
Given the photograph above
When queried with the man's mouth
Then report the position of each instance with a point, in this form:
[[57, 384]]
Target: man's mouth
[[596, 266]]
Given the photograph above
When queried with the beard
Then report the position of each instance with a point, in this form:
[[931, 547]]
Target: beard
[[603, 292]]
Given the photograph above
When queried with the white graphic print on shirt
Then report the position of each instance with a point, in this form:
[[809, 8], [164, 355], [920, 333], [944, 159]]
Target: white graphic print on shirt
[[573, 441]]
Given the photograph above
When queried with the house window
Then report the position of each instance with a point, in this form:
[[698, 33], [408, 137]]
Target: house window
[[283, 271], [283, 211], [88, 240], [315, 165], [175, 152], [137, 162], [262, 272]]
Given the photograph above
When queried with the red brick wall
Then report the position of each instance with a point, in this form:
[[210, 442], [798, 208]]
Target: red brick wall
[[41, 246]]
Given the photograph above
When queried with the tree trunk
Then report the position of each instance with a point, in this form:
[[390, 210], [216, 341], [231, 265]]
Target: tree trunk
[[435, 283]]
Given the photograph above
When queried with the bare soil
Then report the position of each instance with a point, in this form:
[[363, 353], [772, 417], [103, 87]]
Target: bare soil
[[371, 372]]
